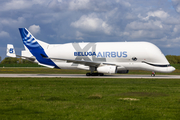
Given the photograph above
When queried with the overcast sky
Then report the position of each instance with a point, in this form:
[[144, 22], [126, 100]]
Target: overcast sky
[[64, 21]]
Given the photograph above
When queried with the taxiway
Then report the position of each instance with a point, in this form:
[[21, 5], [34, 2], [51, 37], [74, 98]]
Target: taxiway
[[84, 76]]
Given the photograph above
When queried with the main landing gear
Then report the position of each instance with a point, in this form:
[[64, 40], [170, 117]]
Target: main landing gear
[[153, 74], [94, 74]]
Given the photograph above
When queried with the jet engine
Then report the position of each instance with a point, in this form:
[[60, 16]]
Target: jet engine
[[107, 69]]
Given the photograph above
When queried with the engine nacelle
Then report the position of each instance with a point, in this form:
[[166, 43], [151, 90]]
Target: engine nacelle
[[107, 69], [122, 70]]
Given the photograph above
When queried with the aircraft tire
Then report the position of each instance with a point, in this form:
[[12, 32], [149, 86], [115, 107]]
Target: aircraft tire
[[153, 75], [101, 74], [88, 74], [94, 74]]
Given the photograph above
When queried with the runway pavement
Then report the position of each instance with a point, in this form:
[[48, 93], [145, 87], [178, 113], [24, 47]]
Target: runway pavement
[[84, 76]]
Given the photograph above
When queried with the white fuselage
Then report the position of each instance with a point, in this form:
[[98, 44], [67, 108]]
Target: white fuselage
[[125, 55]]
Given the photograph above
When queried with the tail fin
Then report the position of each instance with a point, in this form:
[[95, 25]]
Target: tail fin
[[10, 50], [35, 48], [28, 39]]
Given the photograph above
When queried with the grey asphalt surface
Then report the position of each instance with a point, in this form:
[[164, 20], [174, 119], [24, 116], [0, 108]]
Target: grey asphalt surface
[[84, 76]]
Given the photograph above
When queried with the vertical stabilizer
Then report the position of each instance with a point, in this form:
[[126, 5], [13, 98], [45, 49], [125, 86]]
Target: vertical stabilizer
[[28, 39], [36, 49], [10, 51]]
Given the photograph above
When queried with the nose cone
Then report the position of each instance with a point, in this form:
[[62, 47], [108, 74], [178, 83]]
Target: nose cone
[[171, 69]]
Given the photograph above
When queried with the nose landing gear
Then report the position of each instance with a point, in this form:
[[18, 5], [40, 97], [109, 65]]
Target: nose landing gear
[[153, 74]]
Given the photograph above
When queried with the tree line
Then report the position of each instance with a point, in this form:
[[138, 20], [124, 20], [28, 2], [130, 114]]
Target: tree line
[[173, 59], [8, 60]]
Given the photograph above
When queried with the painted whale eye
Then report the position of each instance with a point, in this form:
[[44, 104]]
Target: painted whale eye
[[134, 58]]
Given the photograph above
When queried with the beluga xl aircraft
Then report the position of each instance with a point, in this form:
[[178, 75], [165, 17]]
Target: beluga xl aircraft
[[98, 58]]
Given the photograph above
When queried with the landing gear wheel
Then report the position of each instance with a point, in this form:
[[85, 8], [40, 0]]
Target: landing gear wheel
[[153, 74], [94, 74], [101, 74], [88, 74]]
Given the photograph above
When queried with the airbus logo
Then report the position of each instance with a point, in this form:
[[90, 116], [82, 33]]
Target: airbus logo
[[103, 54]]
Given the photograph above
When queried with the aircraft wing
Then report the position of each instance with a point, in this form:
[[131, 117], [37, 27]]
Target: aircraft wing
[[87, 63]]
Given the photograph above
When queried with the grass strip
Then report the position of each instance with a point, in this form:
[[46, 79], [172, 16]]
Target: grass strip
[[89, 98]]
